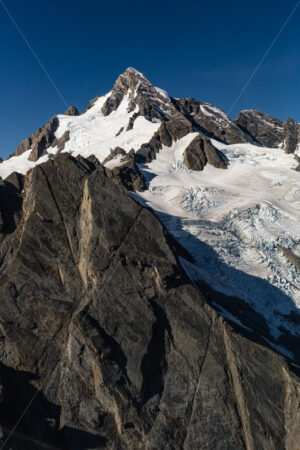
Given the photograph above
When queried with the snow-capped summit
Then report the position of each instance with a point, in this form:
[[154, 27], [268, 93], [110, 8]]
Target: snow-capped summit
[[240, 224], [133, 115]]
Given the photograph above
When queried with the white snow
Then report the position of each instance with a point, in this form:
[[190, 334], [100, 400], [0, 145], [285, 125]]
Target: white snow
[[95, 134], [232, 221], [162, 92], [19, 164], [116, 162], [92, 133]]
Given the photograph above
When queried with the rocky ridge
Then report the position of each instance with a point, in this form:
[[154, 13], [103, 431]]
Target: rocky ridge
[[268, 131], [178, 117]]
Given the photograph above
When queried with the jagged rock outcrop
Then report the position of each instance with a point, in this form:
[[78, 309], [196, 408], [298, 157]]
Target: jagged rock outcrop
[[106, 336], [201, 152], [263, 128], [118, 151], [212, 120], [179, 116], [60, 143], [72, 111], [43, 139], [269, 131], [126, 169], [39, 141], [291, 135], [153, 103]]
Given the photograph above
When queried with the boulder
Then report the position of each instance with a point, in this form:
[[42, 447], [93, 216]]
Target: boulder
[[200, 152]]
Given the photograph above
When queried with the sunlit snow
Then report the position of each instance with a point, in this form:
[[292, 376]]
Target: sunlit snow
[[232, 221]]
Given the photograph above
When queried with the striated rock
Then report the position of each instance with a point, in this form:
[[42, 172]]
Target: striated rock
[[17, 180], [40, 141], [212, 121], [165, 137], [269, 131], [145, 154], [107, 337], [150, 101], [126, 170], [200, 152], [263, 128]]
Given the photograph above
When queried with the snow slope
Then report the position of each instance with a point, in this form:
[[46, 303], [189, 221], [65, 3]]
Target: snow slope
[[232, 221], [92, 133]]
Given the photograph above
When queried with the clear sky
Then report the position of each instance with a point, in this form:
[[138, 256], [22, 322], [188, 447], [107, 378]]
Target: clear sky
[[202, 49]]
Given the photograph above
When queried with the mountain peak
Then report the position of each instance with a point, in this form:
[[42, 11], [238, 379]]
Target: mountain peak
[[132, 70], [131, 79]]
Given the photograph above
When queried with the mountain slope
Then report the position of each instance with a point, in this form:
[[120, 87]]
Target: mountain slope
[[125, 336], [100, 318]]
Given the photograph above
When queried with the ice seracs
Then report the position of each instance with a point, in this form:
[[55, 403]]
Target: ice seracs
[[234, 222]]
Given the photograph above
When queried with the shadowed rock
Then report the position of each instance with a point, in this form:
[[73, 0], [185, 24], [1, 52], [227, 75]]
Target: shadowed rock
[[39, 141], [124, 351], [201, 152], [212, 121]]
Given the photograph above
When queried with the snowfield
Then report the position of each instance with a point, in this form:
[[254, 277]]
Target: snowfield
[[92, 133], [232, 222]]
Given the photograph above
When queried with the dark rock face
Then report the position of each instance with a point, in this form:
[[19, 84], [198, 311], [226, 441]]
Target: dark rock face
[[118, 151], [269, 131], [261, 127], [60, 143], [212, 121], [151, 102], [292, 135], [72, 111], [200, 152], [127, 172], [99, 322], [43, 139], [39, 141]]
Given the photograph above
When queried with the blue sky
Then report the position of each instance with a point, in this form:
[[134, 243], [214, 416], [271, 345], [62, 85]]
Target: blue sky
[[200, 49]]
